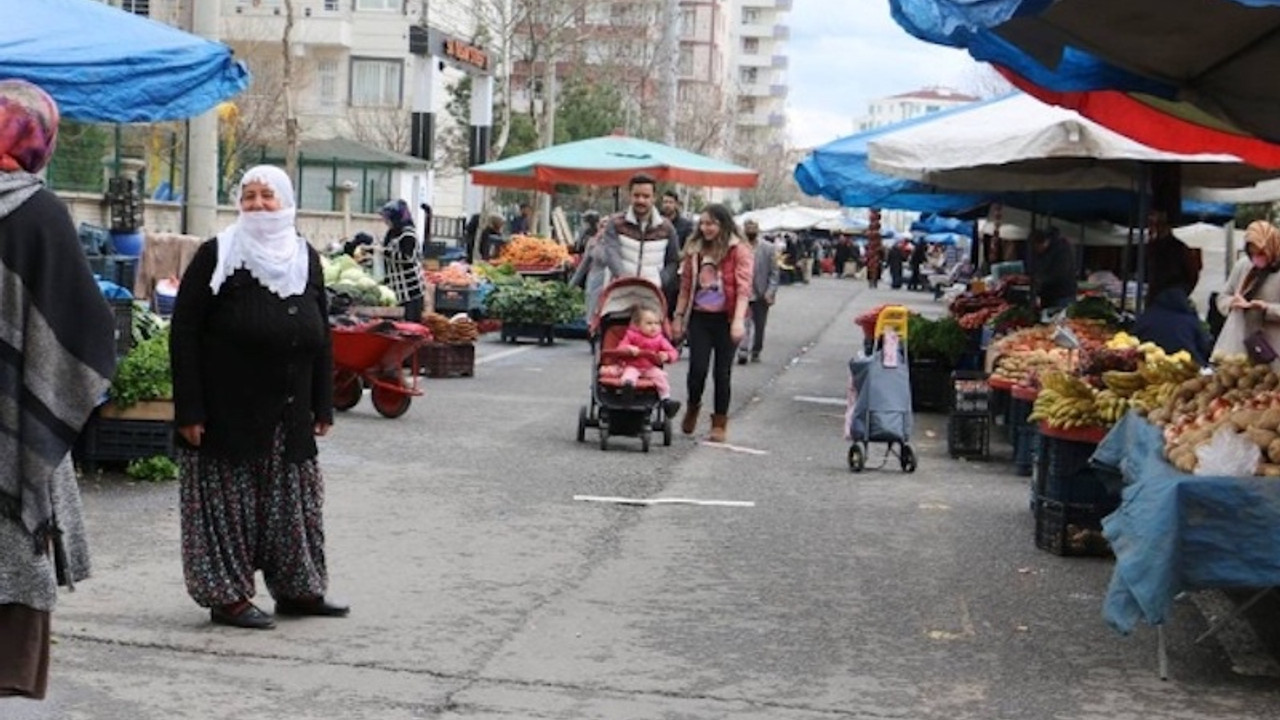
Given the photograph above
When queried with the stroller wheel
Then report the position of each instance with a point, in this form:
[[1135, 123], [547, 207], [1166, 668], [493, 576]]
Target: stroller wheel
[[666, 433], [644, 442], [856, 459], [582, 424], [604, 439], [908, 457]]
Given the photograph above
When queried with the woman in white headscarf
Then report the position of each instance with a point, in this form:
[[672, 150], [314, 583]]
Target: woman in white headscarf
[[253, 386]]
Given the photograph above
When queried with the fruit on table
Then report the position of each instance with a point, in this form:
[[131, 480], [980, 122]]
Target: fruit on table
[[530, 251]]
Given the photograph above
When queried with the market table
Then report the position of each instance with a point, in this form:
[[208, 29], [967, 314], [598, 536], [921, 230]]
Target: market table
[[1175, 532]]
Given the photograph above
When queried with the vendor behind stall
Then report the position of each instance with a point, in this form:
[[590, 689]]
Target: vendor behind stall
[[1055, 269], [1170, 321]]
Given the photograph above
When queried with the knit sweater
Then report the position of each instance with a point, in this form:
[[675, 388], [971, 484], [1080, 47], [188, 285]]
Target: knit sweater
[[246, 361]]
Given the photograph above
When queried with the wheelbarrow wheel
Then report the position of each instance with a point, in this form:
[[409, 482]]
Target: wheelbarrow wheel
[[908, 459], [347, 390], [390, 403], [856, 459]]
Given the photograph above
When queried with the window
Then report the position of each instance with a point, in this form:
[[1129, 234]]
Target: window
[[327, 82], [751, 46], [375, 83], [383, 5], [688, 22], [332, 5], [685, 66], [749, 75], [746, 104], [750, 16], [137, 7]]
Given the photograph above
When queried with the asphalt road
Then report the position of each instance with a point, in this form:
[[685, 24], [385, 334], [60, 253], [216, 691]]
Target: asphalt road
[[482, 589]]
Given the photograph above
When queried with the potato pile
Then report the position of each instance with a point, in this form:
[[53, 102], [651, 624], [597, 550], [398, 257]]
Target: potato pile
[[1240, 395], [458, 330]]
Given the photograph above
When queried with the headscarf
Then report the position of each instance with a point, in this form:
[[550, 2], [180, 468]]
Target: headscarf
[[265, 242], [28, 128], [1264, 236], [397, 213]]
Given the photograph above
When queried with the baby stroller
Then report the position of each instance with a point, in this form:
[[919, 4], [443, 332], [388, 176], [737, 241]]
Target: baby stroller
[[615, 408], [879, 402]]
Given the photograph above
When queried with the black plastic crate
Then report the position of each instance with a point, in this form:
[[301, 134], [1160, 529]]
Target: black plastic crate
[[1064, 473], [1022, 434], [930, 384], [119, 441], [969, 436], [442, 360], [119, 269], [970, 393], [123, 312], [1072, 529], [456, 300]]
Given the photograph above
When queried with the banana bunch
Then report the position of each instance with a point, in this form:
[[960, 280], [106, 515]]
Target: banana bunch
[[1153, 396], [1066, 401], [1124, 384], [1122, 341], [1159, 367], [1111, 406]]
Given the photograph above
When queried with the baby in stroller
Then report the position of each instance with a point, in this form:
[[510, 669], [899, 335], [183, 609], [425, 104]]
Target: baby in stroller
[[641, 353]]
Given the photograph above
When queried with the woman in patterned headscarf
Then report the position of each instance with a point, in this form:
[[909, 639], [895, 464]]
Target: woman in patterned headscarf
[[253, 387], [1251, 299], [57, 354], [403, 260]]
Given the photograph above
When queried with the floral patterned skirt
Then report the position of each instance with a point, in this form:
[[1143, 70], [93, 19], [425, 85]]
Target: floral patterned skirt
[[242, 516]]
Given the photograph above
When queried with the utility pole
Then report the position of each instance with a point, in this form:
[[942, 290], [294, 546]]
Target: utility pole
[[201, 197]]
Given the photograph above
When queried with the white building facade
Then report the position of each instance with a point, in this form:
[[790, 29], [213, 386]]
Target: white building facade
[[906, 106], [758, 73]]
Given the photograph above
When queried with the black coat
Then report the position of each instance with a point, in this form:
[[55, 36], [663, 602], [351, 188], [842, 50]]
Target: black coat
[[1171, 322], [246, 361]]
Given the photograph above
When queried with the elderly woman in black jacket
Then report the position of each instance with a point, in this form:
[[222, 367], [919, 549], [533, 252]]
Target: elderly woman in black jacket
[[253, 386]]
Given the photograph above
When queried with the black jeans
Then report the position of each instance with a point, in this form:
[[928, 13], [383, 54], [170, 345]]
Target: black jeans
[[709, 333], [413, 310], [759, 316]]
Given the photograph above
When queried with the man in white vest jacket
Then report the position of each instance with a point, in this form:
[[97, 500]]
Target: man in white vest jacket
[[640, 242]]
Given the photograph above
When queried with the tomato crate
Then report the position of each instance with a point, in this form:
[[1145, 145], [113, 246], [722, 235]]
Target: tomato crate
[[443, 360], [458, 299], [1072, 529], [106, 440]]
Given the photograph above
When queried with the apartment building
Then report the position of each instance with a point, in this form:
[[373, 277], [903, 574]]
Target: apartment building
[[914, 104], [759, 36]]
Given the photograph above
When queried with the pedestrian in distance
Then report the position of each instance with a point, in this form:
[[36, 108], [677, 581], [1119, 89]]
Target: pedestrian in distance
[[711, 310], [58, 359], [764, 290], [253, 387], [403, 259]]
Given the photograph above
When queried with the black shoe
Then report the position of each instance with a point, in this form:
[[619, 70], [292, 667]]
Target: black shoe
[[755, 357], [248, 616], [742, 358], [322, 607], [670, 407]]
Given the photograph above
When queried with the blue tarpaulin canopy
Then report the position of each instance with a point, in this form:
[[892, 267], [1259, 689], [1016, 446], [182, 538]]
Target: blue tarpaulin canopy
[[102, 64]]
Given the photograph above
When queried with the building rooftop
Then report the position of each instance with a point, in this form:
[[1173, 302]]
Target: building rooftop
[[937, 93]]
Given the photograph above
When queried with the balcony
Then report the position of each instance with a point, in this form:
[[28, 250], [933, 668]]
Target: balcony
[[755, 30], [782, 4], [757, 89], [778, 91], [755, 119], [777, 120], [781, 32], [780, 62]]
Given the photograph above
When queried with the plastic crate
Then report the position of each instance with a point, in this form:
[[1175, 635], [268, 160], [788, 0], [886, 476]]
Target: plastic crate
[[1064, 474], [123, 312], [119, 441], [1023, 434], [930, 384], [442, 360], [119, 269], [970, 393], [457, 299], [1072, 529], [969, 436]]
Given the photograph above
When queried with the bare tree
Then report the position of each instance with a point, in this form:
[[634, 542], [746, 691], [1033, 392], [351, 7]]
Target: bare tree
[[387, 128], [291, 139]]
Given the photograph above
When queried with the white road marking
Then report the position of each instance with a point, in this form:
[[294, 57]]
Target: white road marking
[[820, 400], [504, 354], [664, 501], [734, 448]]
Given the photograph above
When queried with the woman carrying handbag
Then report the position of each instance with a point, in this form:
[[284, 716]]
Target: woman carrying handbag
[[1251, 299]]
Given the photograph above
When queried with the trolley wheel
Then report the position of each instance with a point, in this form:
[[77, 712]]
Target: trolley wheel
[[644, 441], [604, 439], [856, 460], [908, 457], [347, 390], [582, 424], [389, 403], [666, 433]]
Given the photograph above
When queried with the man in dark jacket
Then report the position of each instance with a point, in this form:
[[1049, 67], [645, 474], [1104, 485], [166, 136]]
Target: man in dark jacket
[[674, 213], [1055, 269], [1171, 322], [1170, 263]]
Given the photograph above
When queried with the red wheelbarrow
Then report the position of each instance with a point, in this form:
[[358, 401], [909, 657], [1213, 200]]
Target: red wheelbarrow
[[373, 356]]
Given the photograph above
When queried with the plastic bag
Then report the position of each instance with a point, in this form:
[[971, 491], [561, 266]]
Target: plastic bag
[[1228, 453]]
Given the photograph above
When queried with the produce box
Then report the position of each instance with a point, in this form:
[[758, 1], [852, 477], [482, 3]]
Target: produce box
[[1064, 474], [930, 384], [970, 393], [1071, 529], [969, 436], [442, 360]]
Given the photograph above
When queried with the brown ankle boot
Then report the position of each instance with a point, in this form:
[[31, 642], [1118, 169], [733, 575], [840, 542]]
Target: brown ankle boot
[[719, 426], [690, 421]]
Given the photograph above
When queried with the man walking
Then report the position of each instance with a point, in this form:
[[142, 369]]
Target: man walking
[[640, 242], [673, 211], [764, 290]]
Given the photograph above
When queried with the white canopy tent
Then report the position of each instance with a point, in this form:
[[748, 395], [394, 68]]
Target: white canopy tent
[[794, 218], [1019, 143]]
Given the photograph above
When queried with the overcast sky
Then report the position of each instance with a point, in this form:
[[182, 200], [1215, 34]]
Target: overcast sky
[[844, 53]]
